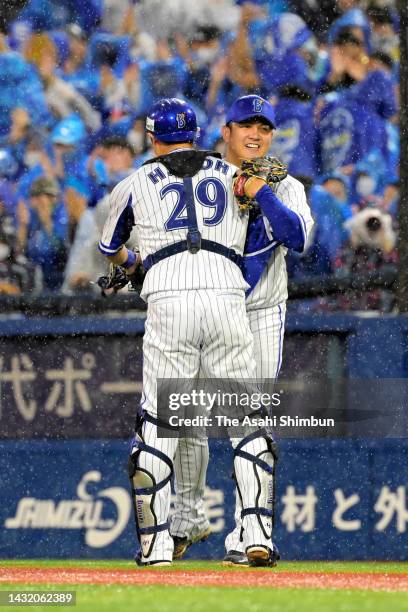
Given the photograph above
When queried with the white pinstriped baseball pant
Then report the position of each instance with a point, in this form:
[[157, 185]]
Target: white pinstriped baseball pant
[[188, 333]]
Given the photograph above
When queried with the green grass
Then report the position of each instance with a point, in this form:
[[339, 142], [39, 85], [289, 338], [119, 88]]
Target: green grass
[[283, 566], [118, 598]]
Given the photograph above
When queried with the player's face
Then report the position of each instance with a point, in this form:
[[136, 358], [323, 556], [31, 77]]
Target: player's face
[[247, 140]]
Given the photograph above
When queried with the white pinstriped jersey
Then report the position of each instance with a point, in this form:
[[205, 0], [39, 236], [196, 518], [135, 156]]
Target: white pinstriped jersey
[[151, 200], [272, 287]]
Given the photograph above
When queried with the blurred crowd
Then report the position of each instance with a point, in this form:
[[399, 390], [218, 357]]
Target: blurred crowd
[[76, 81]]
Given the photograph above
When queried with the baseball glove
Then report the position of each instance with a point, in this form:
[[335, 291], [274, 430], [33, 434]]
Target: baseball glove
[[268, 169], [117, 279]]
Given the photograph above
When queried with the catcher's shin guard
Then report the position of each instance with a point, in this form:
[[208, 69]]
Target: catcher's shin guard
[[260, 451], [145, 486]]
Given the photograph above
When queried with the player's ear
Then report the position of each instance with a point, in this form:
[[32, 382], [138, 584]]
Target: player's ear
[[226, 133]]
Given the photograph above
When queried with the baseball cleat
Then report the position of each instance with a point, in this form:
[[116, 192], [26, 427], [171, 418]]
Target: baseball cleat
[[182, 544], [140, 563], [160, 563], [235, 557], [262, 556]]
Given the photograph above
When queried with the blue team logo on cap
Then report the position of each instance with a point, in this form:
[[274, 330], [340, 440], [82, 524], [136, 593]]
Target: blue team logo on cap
[[181, 120], [257, 104], [248, 107]]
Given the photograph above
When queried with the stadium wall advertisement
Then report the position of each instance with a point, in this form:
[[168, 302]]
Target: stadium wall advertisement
[[337, 499], [80, 377], [67, 407]]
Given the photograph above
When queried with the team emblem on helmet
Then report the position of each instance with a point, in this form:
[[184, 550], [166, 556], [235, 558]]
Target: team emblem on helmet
[[258, 105], [172, 120], [181, 120]]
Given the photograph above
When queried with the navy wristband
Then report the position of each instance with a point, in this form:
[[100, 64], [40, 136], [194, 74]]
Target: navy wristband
[[131, 259]]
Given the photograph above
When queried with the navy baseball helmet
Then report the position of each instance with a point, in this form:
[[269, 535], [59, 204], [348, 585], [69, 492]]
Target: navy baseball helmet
[[172, 120], [249, 107]]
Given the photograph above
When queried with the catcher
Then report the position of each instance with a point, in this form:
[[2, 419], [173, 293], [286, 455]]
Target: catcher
[[280, 219]]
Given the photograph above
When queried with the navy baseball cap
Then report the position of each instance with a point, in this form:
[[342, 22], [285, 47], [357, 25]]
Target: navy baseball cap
[[249, 107]]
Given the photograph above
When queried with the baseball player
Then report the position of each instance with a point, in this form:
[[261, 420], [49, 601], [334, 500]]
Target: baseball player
[[284, 222], [191, 236]]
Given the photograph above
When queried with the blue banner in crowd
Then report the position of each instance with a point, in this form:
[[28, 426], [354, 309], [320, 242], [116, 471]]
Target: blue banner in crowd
[[336, 499]]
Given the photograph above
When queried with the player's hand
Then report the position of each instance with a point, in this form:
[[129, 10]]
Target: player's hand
[[253, 185], [118, 278], [245, 189], [115, 280]]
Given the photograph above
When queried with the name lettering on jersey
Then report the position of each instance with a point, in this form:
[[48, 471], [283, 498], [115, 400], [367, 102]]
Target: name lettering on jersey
[[221, 166], [156, 175]]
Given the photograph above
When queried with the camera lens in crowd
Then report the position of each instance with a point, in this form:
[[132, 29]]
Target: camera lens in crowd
[[373, 224]]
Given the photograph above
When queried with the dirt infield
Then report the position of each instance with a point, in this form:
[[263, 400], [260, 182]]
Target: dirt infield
[[228, 578]]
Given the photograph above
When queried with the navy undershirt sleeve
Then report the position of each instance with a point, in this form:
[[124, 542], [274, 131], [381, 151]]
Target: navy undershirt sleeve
[[286, 224]]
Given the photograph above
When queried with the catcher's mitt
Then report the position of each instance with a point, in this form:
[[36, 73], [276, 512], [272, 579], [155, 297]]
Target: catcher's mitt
[[117, 279], [268, 169]]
